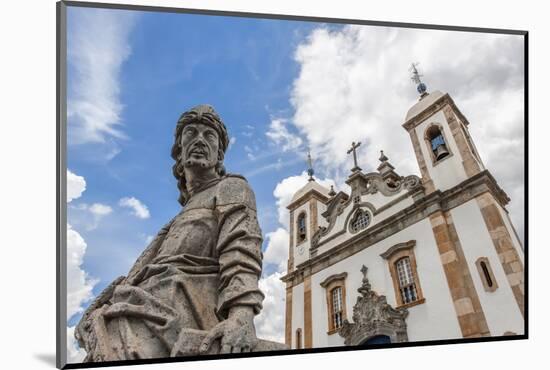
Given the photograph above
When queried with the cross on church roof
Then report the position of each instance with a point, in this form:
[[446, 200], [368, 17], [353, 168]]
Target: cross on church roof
[[420, 86], [310, 171], [352, 149]]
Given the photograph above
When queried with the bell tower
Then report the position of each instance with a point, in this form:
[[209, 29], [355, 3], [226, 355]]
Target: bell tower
[[444, 149]]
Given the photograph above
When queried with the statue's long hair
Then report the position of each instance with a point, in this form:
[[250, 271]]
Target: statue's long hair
[[204, 114]]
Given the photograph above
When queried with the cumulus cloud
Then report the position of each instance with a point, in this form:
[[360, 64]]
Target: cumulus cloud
[[270, 323], [354, 85], [96, 49], [278, 132], [75, 354], [79, 283], [277, 249], [139, 209], [75, 186]]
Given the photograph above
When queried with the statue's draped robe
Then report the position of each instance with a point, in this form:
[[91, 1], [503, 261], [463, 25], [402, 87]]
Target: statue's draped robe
[[205, 261]]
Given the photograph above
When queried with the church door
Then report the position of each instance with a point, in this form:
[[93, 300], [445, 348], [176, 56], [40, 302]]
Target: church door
[[377, 339]]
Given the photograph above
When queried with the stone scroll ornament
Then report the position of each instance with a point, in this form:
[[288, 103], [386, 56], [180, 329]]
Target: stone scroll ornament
[[373, 316], [194, 289]]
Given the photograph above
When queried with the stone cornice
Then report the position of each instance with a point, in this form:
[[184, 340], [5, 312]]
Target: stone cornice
[[469, 189], [332, 278], [435, 107], [306, 197], [398, 247]]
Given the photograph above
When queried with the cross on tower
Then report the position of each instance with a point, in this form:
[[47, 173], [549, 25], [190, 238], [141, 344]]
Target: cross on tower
[[310, 171], [352, 149]]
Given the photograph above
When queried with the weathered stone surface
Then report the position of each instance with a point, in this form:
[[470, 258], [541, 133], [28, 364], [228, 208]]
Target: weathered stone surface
[[373, 316], [194, 290]]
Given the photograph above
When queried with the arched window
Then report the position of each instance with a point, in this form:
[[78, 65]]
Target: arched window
[[486, 274], [437, 143], [298, 338], [405, 275], [335, 288], [337, 307], [402, 265], [301, 227], [360, 221]]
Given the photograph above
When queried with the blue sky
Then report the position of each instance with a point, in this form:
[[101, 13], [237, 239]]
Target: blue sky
[[280, 87], [177, 61]]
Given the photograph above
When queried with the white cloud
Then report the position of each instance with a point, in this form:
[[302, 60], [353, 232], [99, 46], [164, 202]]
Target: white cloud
[[99, 209], [139, 209], [75, 186], [97, 48], [75, 354], [277, 249], [354, 85], [79, 284], [270, 323], [281, 136]]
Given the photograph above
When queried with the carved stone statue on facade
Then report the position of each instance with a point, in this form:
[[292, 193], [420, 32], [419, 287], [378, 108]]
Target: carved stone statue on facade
[[194, 290], [372, 317]]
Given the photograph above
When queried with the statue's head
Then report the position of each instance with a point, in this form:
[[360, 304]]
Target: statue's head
[[200, 143]]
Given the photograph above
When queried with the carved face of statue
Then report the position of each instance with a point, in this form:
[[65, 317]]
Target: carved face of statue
[[199, 146]]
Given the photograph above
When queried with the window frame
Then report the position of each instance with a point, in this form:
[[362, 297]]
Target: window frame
[[301, 215], [298, 338], [393, 255], [330, 284], [489, 269], [356, 213]]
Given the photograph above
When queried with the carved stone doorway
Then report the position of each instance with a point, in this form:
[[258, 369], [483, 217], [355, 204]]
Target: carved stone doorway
[[377, 339], [374, 320]]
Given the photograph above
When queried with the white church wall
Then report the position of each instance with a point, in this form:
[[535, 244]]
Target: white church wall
[[379, 200], [393, 210], [450, 171], [297, 312], [512, 232], [500, 308], [434, 319]]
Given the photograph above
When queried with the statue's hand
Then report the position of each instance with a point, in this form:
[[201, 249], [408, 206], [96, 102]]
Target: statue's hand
[[237, 333]]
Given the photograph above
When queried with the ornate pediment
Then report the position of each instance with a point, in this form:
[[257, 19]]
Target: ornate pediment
[[373, 316]]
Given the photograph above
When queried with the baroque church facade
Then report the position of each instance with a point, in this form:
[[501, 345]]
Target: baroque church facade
[[406, 258]]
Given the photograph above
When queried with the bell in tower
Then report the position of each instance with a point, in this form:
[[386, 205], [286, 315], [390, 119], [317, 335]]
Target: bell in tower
[[437, 143], [439, 147]]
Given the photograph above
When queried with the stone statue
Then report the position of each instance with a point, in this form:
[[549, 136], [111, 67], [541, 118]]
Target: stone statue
[[194, 290]]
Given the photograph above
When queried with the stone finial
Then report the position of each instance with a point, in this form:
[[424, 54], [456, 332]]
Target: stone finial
[[332, 192], [382, 158], [365, 287]]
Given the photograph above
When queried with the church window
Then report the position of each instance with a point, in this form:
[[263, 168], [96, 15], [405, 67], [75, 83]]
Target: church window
[[337, 308], [298, 338], [437, 143], [407, 287], [301, 227], [486, 274], [336, 301], [360, 221], [402, 266]]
